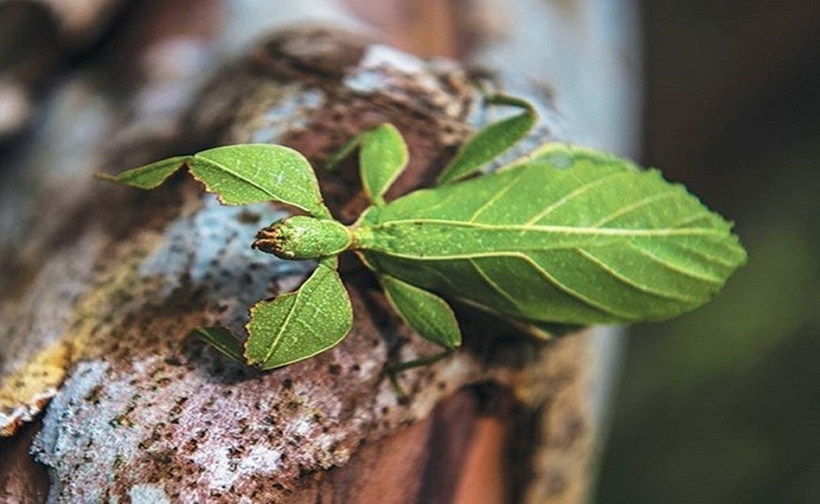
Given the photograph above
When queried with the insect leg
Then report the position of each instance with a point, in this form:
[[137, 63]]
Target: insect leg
[[492, 141], [382, 158], [428, 314]]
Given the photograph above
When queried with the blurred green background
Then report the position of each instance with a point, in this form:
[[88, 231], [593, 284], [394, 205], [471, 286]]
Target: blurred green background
[[723, 404]]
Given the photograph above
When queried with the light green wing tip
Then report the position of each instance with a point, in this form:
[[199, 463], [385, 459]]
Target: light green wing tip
[[300, 324], [426, 313]]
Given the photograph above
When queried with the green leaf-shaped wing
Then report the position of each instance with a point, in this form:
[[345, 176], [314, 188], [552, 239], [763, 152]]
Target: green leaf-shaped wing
[[595, 241], [240, 175], [491, 141], [300, 324], [426, 313]]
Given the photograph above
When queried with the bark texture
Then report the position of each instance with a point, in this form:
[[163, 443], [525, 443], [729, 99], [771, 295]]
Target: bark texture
[[107, 284]]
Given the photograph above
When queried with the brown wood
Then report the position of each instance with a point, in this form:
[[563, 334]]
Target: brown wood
[[110, 282]]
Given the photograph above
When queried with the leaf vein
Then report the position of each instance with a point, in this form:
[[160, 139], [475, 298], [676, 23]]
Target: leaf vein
[[498, 195], [631, 282], [238, 176], [586, 187], [483, 274], [718, 259], [675, 267], [635, 206], [278, 337], [690, 219], [574, 293], [569, 230]]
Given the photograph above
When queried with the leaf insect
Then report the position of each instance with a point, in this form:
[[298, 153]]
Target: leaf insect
[[564, 235]]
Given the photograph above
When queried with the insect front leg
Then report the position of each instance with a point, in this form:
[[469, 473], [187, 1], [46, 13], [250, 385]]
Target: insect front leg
[[300, 324], [240, 175]]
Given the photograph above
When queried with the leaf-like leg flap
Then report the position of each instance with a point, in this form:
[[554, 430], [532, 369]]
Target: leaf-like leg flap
[[300, 324], [240, 175], [382, 158], [426, 313], [491, 141], [150, 175], [223, 340], [253, 173]]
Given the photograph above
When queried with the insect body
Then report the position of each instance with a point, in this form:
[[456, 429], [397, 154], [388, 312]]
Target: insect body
[[565, 235], [548, 245]]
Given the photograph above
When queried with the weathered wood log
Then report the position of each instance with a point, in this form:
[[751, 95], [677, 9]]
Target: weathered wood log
[[108, 284]]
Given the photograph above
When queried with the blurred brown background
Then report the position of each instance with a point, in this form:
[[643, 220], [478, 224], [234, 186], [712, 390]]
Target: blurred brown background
[[723, 405]]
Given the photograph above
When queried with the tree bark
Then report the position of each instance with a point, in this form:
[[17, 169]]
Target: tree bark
[[108, 283]]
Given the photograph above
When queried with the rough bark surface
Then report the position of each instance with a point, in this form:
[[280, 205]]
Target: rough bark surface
[[108, 284]]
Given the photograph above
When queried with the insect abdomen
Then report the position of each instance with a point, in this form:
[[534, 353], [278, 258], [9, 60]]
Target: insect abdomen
[[552, 286], [544, 244]]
